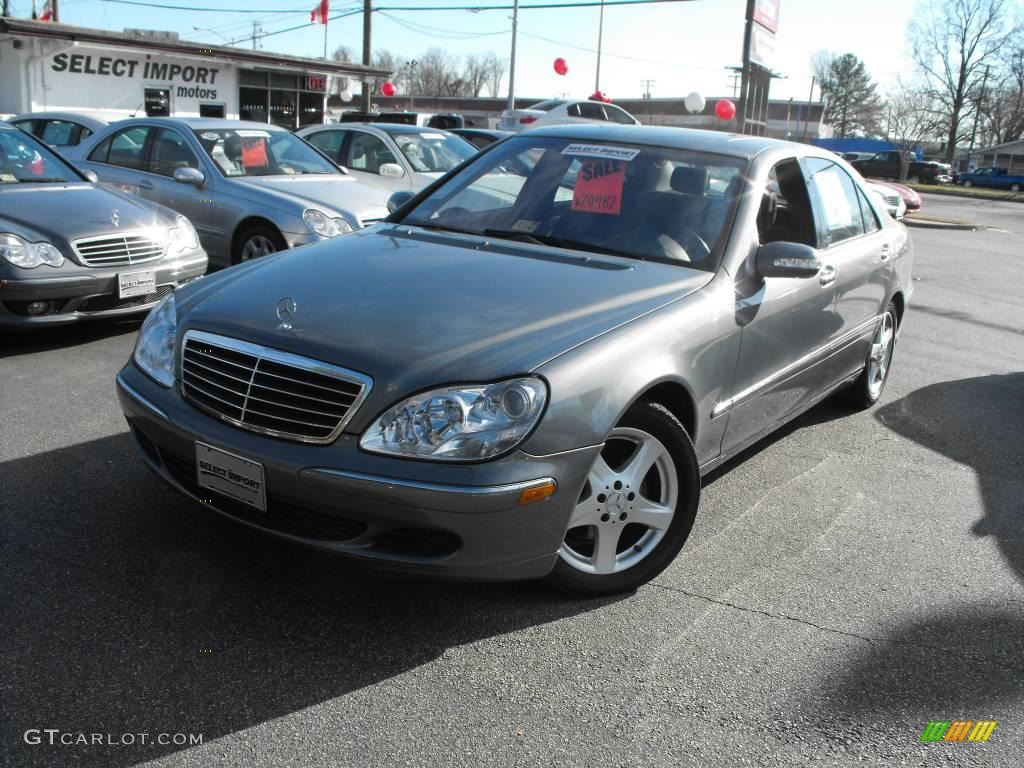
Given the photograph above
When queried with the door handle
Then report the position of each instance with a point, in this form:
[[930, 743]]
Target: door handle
[[828, 274], [886, 252], [144, 184]]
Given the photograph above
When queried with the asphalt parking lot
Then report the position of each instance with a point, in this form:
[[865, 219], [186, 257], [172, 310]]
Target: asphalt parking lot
[[848, 580]]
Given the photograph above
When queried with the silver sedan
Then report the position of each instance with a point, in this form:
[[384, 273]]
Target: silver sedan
[[395, 157], [249, 188], [526, 372]]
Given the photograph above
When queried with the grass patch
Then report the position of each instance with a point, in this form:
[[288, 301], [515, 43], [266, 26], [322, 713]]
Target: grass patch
[[976, 192]]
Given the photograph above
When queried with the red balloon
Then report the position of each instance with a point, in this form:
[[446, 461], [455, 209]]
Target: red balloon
[[561, 67], [388, 88], [725, 109]]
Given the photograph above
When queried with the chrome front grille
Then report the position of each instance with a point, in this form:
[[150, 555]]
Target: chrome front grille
[[893, 200], [268, 391], [119, 250]]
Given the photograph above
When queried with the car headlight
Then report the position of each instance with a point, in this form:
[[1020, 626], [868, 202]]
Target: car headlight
[[324, 225], [154, 351], [460, 423], [22, 253], [182, 237]]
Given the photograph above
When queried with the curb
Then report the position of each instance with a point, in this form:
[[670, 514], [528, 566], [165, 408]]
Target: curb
[[932, 224]]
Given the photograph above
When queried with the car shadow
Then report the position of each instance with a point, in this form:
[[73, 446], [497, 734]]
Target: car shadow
[[13, 343], [134, 610], [977, 422]]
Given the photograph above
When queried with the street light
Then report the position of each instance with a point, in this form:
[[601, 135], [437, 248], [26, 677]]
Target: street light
[[212, 32]]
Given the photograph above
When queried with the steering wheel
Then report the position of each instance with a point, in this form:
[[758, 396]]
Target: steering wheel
[[647, 235]]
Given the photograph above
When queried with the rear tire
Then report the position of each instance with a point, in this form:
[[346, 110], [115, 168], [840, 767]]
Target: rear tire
[[867, 389], [257, 240], [636, 508]]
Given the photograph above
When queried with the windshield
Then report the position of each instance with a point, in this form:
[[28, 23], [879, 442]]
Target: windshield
[[257, 152], [650, 203], [433, 152], [25, 161]]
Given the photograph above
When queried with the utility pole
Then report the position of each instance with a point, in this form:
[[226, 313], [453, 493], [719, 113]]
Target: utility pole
[[257, 30], [977, 112], [600, 35], [364, 101], [807, 117], [55, 11], [512, 61], [646, 85], [737, 73], [6, 8]]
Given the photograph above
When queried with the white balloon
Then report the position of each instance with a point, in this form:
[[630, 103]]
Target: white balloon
[[694, 103], [346, 95]]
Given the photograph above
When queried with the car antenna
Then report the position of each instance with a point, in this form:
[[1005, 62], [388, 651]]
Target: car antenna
[[136, 110]]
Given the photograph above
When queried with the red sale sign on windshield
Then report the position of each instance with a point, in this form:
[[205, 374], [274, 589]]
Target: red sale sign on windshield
[[599, 187]]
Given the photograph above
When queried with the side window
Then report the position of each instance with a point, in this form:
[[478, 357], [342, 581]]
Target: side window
[[617, 115], [837, 203], [170, 152], [368, 153], [592, 110], [871, 223], [124, 148], [61, 133], [573, 110], [786, 213], [328, 142], [28, 126]]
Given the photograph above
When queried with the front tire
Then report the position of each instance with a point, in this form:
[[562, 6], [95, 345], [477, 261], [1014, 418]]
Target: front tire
[[968, 183], [255, 241], [636, 509], [867, 389]]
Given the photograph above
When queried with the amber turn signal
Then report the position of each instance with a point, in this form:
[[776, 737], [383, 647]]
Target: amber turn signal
[[537, 493]]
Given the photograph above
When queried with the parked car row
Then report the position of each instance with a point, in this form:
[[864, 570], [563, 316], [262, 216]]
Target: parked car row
[[996, 178], [239, 190]]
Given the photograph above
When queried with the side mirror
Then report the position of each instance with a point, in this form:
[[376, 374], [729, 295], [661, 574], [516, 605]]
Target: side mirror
[[191, 176], [91, 176], [784, 259], [391, 170], [399, 199]]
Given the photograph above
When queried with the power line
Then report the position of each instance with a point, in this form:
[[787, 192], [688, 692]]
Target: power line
[[405, 8]]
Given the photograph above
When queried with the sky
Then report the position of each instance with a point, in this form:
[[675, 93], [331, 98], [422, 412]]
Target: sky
[[682, 47]]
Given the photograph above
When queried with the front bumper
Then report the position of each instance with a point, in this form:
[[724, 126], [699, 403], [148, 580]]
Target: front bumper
[[77, 293], [451, 521]]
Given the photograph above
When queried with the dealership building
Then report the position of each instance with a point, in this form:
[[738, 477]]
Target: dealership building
[[58, 67]]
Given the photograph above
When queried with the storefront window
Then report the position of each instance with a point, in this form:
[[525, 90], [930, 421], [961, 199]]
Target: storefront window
[[158, 102], [287, 100], [253, 104]]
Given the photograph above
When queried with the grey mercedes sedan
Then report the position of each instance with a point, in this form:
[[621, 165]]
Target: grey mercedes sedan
[[71, 250], [249, 188], [526, 370]]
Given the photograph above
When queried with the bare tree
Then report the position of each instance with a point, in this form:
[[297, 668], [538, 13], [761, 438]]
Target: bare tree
[[1002, 103], [821, 64], [850, 96], [952, 41], [496, 69], [474, 74], [384, 59], [339, 84], [913, 116]]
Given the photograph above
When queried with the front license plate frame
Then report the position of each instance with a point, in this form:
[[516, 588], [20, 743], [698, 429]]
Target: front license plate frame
[[237, 477], [132, 284]]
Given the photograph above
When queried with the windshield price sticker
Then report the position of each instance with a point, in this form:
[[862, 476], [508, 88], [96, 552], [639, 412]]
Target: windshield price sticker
[[8, 178], [254, 153], [599, 187], [210, 136], [525, 225], [432, 136], [595, 150], [249, 134]]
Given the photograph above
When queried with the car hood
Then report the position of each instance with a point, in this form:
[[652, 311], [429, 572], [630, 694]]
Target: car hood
[[414, 309], [342, 194], [60, 213]]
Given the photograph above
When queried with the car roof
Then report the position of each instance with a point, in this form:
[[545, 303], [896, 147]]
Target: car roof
[[78, 117], [213, 123], [715, 142]]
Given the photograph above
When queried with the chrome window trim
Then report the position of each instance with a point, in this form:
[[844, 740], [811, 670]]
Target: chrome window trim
[[365, 383], [780, 375]]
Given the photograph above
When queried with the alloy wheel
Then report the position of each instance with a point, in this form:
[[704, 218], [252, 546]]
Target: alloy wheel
[[257, 246], [881, 354], [626, 505]]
